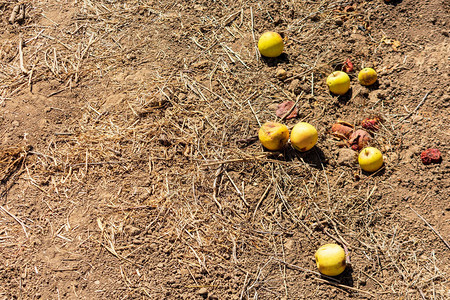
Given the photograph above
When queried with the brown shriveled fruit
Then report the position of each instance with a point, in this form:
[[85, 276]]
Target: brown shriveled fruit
[[341, 130], [359, 139]]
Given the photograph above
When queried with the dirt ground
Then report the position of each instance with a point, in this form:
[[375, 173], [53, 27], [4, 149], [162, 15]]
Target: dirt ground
[[130, 167]]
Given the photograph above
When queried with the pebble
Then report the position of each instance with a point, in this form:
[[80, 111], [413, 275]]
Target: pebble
[[15, 123], [132, 230], [294, 87], [289, 244], [281, 74], [202, 291]]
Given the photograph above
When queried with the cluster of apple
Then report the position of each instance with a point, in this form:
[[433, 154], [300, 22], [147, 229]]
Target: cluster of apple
[[331, 259], [274, 136]]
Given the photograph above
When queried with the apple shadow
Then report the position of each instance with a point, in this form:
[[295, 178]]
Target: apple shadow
[[313, 157], [381, 171], [393, 2], [344, 99], [374, 86], [346, 278], [275, 61]]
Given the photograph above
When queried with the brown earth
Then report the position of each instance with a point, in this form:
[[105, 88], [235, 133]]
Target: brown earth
[[130, 168]]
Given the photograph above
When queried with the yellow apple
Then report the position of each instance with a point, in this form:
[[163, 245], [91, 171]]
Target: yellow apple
[[303, 136], [330, 259], [270, 44], [273, 136], [370, 159], [367, 76], [338, 82]]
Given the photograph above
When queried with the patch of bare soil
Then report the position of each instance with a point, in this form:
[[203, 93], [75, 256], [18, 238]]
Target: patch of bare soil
[[130, 166]]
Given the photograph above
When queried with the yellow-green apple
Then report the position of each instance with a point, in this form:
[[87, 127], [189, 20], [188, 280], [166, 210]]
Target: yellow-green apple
[[338, 82], [370, 159], [303, 136], [270, 44]]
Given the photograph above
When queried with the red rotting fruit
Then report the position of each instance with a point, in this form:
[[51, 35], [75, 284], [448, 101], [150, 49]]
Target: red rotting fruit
[[359, 139], [431, 156], [371, 123], [348, 66]]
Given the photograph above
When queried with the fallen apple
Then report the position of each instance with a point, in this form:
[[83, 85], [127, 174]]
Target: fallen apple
[[338, 82], [330, 259], [370, 159], [273, 136], [367, 76], [303, 136], [270, 44]]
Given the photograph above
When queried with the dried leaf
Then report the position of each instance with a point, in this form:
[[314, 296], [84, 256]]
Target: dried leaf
[[284, 108]]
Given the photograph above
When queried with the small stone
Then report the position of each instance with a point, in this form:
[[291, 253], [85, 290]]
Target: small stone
[[97, 282], [202, 292], [416, 119], [160, 265], [281, 74], [339, 22], [295, 87], [289, 244], [132, 230], [15, 123]]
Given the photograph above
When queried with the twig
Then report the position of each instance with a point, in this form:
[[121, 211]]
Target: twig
[[262, 198], [295, 267], [415, 109], [14, 13], [434, 230], [254, 113], [22, 67], [237, 189], [16, 219], [219, 170]]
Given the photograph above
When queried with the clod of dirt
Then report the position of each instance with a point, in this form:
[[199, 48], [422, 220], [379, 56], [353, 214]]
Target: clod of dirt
[[342, 130], [281, 74], [431, 156], [284, 108], [295, 86], [371, 123], [346, 157], [359, 139]]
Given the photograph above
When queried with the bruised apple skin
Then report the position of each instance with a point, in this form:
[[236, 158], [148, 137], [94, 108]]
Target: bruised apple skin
[[303, 136], [273, 136], [367, 76]]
